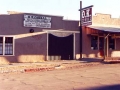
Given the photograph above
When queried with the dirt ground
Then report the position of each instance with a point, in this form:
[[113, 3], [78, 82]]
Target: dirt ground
[[100, 77]]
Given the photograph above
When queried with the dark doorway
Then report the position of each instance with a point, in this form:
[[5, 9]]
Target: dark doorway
[[60, 47], [101, 46]]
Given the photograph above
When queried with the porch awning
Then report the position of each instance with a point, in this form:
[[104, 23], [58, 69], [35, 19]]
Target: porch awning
[[106, 29], [60, 32]]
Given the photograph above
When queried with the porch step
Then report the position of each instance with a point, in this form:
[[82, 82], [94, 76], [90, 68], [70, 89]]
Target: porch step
[[113, 58]]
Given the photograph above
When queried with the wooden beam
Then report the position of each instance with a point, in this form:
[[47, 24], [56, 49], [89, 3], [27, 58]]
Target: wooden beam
[[104, 46]]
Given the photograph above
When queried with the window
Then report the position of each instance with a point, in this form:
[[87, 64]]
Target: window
[[111, 43], [94, 42], [1, 45], [98, 43], [6, 45]]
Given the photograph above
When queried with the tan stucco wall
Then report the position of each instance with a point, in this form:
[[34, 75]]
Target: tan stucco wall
[[100, 19]]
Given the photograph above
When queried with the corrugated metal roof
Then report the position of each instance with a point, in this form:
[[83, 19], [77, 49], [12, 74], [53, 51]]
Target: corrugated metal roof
[[106, 29]]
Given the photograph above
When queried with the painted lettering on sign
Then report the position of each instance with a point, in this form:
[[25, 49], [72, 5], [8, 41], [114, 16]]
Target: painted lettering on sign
[[87, 16], [37, 21]]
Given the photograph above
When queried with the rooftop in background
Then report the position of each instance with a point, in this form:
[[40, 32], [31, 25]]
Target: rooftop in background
[[105, 20]]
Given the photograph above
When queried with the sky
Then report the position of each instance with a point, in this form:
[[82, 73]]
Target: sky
[[67, 8]]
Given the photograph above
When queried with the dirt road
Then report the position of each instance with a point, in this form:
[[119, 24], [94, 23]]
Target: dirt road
[[101, 77]]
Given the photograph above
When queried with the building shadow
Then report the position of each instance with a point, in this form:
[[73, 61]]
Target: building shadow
[[99, 60], [90, 60], [108, 87]]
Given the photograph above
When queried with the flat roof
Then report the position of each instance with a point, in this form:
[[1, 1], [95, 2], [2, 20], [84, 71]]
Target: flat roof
[[105, 28]]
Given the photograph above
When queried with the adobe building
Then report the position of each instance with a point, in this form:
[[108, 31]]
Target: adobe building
[[28, 37], [102, 38]]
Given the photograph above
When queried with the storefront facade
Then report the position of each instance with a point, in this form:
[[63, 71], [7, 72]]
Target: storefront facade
[[103, 38], [26, 37]]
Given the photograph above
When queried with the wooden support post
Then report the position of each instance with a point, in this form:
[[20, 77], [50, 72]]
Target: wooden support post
[[87, 15], [107, 46], [104, 46]]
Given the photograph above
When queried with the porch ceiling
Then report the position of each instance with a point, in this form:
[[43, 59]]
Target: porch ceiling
[[106, 29]]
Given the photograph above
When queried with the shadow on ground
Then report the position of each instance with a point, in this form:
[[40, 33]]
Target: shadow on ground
[[108, 87], [90, 60]]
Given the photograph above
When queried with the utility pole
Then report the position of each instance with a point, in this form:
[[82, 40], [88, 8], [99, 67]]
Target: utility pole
[[80, 30], [85, 20]]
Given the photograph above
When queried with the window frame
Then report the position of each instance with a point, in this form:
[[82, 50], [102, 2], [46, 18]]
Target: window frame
[[114, 43], [107, 43], [4, 45], [97, 42]]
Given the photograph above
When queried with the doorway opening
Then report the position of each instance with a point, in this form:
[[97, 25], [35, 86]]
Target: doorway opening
[[101, 46], [60, 48]]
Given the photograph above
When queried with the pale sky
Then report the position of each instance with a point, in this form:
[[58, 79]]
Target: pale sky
[[67, 8]]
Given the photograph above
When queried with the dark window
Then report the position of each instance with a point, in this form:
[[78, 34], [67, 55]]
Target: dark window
[[1, 45], [111, 43], [101, 43], [94, 42]]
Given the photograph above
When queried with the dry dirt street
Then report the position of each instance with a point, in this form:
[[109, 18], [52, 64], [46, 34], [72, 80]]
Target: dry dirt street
[[101, 77]]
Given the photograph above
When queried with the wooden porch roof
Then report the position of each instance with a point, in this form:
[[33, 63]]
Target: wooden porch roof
[[106, 29]]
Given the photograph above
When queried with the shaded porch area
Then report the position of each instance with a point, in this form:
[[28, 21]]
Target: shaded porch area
[[108, 39]]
